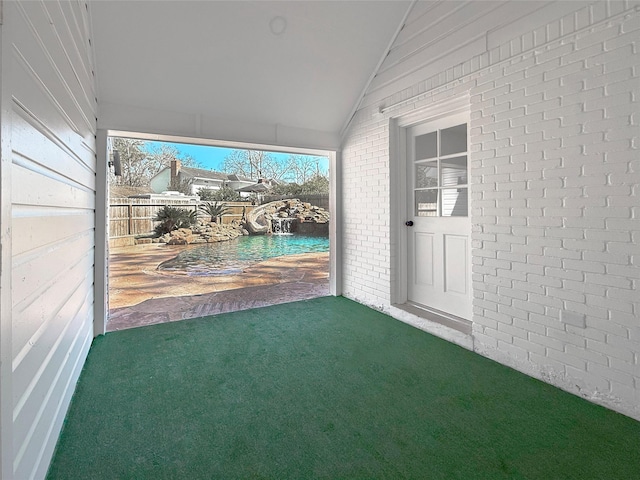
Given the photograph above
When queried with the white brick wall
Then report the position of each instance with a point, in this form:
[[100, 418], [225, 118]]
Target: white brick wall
[[555, 169]]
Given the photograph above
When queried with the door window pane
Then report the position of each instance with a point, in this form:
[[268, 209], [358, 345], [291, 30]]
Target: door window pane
[[453, 140], [426, 203], [440, 178], [427, 175], [426, 146], [455, 202], [453, 171]]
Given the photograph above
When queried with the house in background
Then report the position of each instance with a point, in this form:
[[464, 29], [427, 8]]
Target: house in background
[[533, 104], [197, 177]]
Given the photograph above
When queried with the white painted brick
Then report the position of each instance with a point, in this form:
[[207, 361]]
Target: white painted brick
[[621, 299], [528, 307], [543, 106], [529, 346], [512, 293], [542, 321], [545, 261], [611, 374], [584, 287], [621, 224], [524, 286], [547, 362], [622, 63], [562, 273], [586, 201], [511, 274], [610, 350], [567, 359], [513, 350], [566, 295], [513, 312], [486, 322], [632, 369], [545, 300], [588, 381], [609, 280], [624, 319], [627, 271], [561, 253], [540, 240], [485, 339], [622, 343]]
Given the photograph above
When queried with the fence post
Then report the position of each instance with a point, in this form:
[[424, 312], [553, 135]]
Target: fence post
[[130, 215]]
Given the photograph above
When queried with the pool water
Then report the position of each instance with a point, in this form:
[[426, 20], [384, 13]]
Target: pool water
[[230, 257]]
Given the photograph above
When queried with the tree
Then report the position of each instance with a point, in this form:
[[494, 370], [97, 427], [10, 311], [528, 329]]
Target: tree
[[226, 194], [316, 185], [182, 186], [256, 164], [303, 167], [135, 172], [141, 160]]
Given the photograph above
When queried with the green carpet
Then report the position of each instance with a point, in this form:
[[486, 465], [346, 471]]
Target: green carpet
[[325, 388]]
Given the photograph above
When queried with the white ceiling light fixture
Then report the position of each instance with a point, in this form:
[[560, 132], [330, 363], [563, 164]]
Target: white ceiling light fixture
[[278, 25]]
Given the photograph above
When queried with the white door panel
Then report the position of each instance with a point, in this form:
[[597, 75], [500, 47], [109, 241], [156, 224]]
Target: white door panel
[[455, 259], [424, 245]]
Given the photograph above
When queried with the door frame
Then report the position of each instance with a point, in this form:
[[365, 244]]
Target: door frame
[[398, 127]]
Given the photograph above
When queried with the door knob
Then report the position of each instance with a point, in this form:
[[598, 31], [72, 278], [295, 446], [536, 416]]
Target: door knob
[[409, 223]]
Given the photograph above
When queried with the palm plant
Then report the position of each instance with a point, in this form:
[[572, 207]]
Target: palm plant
[[172, 218], [215, 210]]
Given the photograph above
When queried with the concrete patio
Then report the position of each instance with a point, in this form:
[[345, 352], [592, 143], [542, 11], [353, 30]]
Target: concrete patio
[[141, 295]]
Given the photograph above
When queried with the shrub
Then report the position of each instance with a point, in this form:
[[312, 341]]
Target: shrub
[[214, 210], [206, 194], [172, 218]]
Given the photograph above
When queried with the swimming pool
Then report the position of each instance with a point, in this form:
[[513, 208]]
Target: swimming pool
[[224, 258]]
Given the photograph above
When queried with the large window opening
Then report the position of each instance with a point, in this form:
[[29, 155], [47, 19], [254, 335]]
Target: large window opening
[[197, 229]]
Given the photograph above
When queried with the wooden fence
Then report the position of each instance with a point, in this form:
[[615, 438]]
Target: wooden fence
[[134, 216]]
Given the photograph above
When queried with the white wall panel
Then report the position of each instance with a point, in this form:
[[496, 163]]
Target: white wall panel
[[48, 173]]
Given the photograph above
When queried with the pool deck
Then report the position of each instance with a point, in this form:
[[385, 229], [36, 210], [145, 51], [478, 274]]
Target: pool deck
[[141, 295]]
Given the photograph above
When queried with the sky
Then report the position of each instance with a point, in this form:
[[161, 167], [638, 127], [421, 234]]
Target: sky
[[212, 158]]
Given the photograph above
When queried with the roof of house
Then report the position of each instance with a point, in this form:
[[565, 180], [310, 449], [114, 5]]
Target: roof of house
[[239, 178], [256, 187], [201, 173]]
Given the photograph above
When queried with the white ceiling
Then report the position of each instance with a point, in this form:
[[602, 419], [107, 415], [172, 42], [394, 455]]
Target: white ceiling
[[221, 59]]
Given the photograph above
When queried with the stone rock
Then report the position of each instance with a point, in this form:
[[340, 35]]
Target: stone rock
[[202, 232], [259, 221]]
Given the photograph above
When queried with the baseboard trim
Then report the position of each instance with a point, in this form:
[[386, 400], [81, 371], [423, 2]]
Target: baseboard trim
[[448, 327], [452, 321]]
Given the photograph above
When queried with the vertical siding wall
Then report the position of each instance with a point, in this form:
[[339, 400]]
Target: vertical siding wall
[[52, 113], [554, 104]]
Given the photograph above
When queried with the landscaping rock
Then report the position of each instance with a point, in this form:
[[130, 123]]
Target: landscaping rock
[[203, 232], [259, 221]]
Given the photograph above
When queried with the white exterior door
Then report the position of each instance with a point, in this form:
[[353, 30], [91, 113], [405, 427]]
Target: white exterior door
[[438, 224]]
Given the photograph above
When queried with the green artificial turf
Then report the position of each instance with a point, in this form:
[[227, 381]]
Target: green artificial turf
[[325, 388]]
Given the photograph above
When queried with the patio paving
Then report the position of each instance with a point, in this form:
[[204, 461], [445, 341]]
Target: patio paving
[[141, 295]]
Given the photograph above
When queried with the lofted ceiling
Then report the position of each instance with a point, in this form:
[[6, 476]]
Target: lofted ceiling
[[301, 64]]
